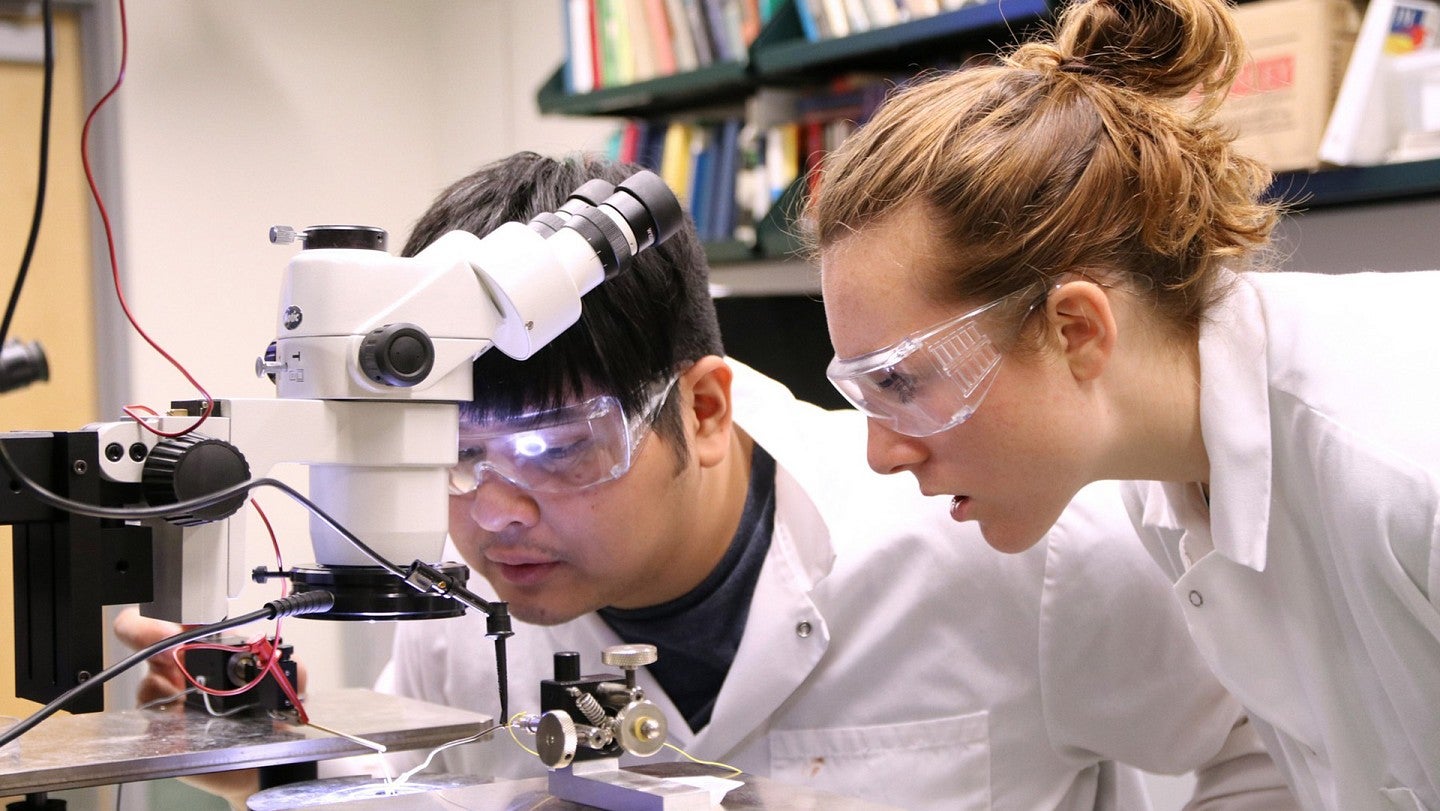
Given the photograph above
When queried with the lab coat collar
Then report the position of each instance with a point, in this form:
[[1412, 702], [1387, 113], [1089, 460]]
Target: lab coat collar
[[1235, 421], [774, 643], [801, 554]]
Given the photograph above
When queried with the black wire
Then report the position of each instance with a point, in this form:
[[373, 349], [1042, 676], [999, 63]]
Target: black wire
[[43, 173], [271, 610]]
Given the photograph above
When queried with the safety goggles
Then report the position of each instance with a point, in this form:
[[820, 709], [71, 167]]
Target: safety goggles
[[929, 381], [557, 450]]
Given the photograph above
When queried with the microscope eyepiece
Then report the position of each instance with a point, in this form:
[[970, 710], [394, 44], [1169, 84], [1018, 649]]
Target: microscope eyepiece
[[618, 222], [660, 204]]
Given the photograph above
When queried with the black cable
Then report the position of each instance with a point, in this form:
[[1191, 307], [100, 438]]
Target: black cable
[[306, 602], [43, 173], [420, 576]]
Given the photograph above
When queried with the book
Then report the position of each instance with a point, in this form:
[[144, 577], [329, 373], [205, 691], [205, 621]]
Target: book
[[857, 16], [751, 20], [676, 160], [682, 39], [699, 31], [727, 164], [702, 174], [1360, 131], [882, 12], [809, 13], [720, 39], [637, 42], [580, 60], [650, 152], [836, 18], [614, 70], [657, 20]]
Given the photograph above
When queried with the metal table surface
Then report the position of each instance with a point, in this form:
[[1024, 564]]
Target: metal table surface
[[95, 749], [524, 795]]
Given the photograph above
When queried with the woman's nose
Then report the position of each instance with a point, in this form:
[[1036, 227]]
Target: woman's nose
[[891, 452], [498, 503]]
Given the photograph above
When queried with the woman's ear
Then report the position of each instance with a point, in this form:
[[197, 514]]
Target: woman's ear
[[710, 410], [1080, 316]]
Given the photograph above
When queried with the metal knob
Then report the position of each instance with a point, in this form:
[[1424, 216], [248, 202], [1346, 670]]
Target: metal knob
[[283, 235], [629, 657], [555, 739], [641, 728]]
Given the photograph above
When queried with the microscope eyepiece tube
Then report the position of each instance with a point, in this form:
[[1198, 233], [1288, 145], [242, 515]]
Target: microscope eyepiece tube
[[665, 216], [640, 213]]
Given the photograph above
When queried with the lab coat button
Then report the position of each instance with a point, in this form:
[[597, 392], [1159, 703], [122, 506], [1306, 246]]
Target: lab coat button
[[802, 630], [1197, 599]]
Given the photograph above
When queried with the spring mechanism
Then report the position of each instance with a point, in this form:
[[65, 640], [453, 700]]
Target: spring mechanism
[[587, 705]]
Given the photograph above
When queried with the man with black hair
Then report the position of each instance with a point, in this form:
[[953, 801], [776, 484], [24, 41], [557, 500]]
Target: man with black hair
[[816, 622]]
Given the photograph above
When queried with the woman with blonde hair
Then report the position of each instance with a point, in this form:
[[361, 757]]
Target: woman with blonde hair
[[1045, 272]]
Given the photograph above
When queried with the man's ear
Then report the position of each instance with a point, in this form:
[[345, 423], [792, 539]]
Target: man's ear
[[710, 408], [1080, 317]]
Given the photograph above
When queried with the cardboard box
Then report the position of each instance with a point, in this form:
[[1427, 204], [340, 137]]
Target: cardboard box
[[1281, 101]]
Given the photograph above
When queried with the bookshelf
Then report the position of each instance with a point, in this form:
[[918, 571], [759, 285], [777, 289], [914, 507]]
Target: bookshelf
[[781, 56]]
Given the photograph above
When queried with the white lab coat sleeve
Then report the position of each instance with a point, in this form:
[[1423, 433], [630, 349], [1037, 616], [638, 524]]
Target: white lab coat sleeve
[[1241, 777], [1120, 677]]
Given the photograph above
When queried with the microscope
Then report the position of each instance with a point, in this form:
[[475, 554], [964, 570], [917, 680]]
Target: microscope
[[371, 360]]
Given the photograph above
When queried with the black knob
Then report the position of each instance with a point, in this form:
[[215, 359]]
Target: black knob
[[399, 355], [345, 236], [191, 466], [567, 666]]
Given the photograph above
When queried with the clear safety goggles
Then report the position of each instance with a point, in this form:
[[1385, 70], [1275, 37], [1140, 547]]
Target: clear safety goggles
[[929, 381], [557, 450]]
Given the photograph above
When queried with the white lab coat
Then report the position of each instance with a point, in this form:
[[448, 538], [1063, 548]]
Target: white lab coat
[[1320, 409], [890, 654]]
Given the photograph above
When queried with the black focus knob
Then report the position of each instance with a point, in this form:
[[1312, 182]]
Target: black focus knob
[[191, 466], [399, 355]]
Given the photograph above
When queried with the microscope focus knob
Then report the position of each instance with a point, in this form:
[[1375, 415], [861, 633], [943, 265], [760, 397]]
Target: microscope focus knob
[[185, 467], [629, 657], [399, 355]]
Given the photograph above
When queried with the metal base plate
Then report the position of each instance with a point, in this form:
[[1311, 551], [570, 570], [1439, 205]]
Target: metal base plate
[[96, 749]]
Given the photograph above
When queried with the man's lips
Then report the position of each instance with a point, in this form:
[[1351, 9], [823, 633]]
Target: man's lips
[[521, 565], [525, 574]]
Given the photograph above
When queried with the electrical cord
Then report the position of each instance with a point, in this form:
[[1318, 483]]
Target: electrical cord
[[44, 172], [309, 602], [110, 244]]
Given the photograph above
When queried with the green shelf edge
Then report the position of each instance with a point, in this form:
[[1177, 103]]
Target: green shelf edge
[[710, 84], [776, 59]]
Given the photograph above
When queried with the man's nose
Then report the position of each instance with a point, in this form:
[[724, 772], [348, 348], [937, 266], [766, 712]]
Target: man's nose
[[498, 503], [891, 452]]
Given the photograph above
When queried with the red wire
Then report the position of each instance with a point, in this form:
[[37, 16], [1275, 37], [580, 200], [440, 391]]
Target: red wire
[[110, 241], [262, 648]]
